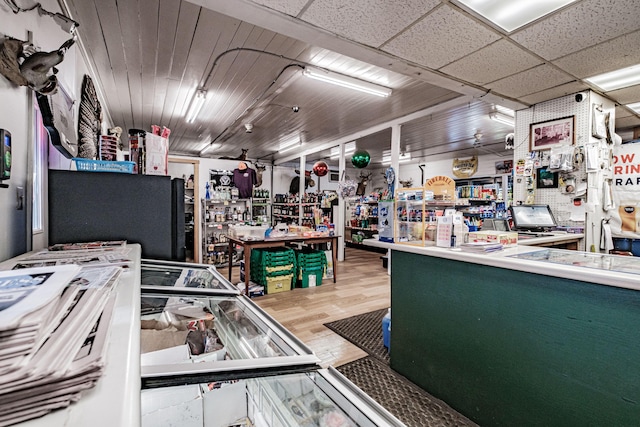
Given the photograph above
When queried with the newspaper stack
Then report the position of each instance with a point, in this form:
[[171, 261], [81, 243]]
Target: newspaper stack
[[53, 327], [481, 247]]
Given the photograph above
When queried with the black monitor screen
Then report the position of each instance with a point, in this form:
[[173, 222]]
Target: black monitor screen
[[532, 217]]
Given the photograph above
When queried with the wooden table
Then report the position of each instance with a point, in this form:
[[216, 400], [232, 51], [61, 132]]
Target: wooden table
[[248, 245]]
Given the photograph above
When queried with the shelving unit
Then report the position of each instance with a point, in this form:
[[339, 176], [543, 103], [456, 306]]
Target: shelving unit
[[189, 220], [361, 220], [481, 198], [217, 215], [261, 206]]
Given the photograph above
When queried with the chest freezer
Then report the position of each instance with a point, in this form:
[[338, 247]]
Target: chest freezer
[[318, 398], [163, 276], [187, 333]]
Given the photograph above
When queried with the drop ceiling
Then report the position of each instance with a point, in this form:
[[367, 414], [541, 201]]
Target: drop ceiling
[[446, 65]]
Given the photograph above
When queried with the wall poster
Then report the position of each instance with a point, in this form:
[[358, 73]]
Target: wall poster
[[625, 217]]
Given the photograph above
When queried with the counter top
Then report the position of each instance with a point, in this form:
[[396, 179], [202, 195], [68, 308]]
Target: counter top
[[507, 258]]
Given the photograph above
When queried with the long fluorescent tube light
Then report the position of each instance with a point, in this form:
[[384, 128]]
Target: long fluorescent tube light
[[349, 148], [617, 79], [502, 118], [513, 14], [289, 145], [196, 105], [635, 107], [402, 158], [346, 81]]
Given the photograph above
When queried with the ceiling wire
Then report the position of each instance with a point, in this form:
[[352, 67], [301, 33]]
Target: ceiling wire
[[255, 101]]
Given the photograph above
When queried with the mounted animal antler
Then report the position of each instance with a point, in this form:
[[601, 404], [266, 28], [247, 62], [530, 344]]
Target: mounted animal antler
[[362, 185], [260, 168], [407, 183]]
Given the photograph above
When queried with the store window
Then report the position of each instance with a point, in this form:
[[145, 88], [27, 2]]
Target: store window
[[41, 144]]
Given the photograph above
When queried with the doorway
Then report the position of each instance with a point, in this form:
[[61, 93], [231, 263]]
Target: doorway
[[189, 169]]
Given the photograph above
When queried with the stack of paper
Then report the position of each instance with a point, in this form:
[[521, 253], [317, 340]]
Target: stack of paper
[[481, 247], [53, 326]]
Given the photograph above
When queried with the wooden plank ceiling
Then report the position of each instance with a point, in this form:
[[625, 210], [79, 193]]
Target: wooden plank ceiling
[[151, 55]]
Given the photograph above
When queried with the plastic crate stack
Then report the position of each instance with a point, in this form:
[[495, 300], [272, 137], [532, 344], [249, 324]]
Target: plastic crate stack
[[312, 266], [273, 268]]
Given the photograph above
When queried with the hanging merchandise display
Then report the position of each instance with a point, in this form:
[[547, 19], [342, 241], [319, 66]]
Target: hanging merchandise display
[[360, 159], [320, 168]]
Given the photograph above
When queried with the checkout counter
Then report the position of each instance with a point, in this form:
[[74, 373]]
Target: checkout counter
[[524, 336]]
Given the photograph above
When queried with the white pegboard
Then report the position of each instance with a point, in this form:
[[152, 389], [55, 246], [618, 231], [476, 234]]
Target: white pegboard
[[561, 204], [546, 111]]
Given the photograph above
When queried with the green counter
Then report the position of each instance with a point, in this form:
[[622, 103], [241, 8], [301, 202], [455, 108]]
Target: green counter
[[511, 348]]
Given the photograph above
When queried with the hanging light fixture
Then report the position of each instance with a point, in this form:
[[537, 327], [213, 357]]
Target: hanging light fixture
[[502, 118], [289, 145], [346, 81], [199, 97]]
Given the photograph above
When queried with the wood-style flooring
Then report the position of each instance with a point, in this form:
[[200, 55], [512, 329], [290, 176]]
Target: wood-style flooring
[[362, 286]]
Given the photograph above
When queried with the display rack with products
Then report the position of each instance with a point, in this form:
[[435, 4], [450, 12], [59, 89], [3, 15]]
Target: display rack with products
[[416, 216], [261, 206], [361, 219], [217, 215], [287, 208], [189, 218], [480, 198]]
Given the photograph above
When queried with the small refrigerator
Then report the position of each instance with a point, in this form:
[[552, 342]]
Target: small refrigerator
[[212, 357]]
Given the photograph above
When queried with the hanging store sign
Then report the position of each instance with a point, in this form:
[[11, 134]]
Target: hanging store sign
[[443, 187], [625, 187], [464, 168]]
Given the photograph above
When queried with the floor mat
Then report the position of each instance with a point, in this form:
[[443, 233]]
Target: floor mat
[[372, 374], [408, 402], [364, 331]]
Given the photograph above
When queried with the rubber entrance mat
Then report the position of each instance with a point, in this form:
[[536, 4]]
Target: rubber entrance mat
[[408, 402]]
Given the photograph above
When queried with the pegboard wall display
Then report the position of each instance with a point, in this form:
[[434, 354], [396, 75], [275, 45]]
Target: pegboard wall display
[[580, 184]]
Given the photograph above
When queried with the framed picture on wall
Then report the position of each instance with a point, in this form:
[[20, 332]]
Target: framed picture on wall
[[546, 179], [553, 133]]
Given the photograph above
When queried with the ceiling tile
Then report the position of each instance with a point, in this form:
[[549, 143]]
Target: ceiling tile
[[531, 81], [627, 122], [441, 38], [554, 92], [622, 112], [290, 7], [586, 24], [501, 59], [377, 20], [627, 95], [608, 56]]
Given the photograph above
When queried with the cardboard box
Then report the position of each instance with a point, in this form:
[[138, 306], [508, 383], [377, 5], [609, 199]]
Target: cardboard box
[[506, 238]]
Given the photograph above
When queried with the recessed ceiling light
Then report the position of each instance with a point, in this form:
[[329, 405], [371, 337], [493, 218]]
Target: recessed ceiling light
[[513, 14], [617, 79]]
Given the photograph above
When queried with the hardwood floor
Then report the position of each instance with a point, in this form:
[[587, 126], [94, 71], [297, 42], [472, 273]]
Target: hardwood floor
[[362, 286]]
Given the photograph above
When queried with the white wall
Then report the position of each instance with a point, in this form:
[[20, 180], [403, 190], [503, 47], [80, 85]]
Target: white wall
[[440, 166], [16, 116]]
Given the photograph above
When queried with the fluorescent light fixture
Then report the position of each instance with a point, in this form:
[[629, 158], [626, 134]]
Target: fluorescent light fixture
[[402, 158], [289, 145], [505, 110], [635, 107], [513, 14], [196, 105], [502, 118], [346, 81], [618, 79], [349, 148]]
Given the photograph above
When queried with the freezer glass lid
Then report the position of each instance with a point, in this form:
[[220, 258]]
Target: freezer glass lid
[[306, 399], [190, 329], [189, 276]]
